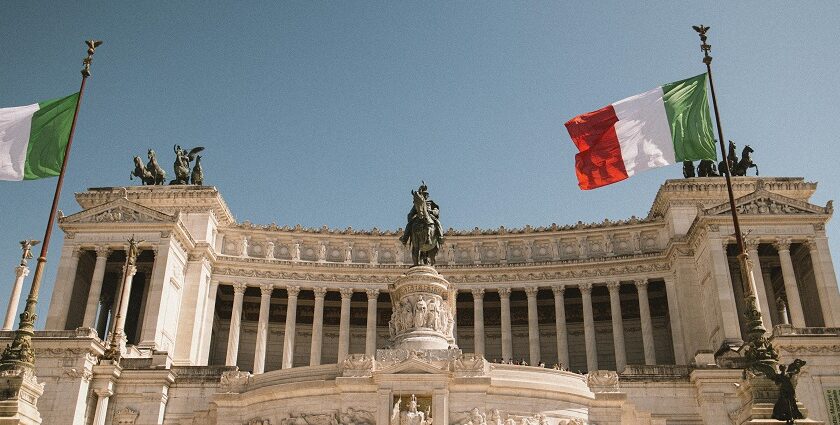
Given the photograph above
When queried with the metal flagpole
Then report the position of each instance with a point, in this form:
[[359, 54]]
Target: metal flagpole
[[758, 347], [20, 352]]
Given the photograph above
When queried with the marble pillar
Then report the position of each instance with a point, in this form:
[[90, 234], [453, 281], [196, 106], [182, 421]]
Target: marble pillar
[[533, 326], [560, 325], [20, 273], [370, 334], [794, 304], [730, 327], [617, 325], [676, 320], [478, 320], [647, 326], [122, 308], [262, 327], [63, 289], [291, 325], [589, 327], [751, 244], [823, 291], [95, 291], [507, 337], [235, 323], [317, 327], [102, 397], [344, 324]]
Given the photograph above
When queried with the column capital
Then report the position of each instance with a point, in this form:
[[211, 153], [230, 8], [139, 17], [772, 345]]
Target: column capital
[[75, 251], [346, 293], [103, 392], [641, 284], [239, 288], [559, 290], [266, 289], [531, 291], [782, 244], [478, 293], [613, 286], [504, 292], [21, 271], [372, 293], [102, 252], [585, 288], [811, 243], [751, 244], [319, 291], [293, 291]]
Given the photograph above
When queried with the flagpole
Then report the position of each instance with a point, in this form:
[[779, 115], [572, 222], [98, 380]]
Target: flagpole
[[20, 352], [759, 348]]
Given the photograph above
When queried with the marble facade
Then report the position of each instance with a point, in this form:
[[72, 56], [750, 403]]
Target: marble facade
[[235, 323]]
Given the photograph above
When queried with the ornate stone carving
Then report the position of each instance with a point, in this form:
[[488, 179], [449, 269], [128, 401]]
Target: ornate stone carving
[[613, 286], [558, 290], [602, 381], [585, 288], [266, 289], [470, 366], [258, 421], [293, 291], [319, 291], [372, 293], [421, 312], [358, 365], [234, 381], [125, 416], [75, 373], [239, 287], [782, 244]]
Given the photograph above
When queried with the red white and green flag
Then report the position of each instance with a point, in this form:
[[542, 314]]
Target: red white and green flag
[[660, 127], [33, 138]]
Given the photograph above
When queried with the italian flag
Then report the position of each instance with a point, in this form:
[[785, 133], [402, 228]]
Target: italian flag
[[660, 127], [33, 138]]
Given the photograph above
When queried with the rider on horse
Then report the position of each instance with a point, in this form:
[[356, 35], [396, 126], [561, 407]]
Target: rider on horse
[[417, 220]]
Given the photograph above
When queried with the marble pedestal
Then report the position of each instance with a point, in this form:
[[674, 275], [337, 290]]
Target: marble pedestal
[[423, 316], [19, 393]]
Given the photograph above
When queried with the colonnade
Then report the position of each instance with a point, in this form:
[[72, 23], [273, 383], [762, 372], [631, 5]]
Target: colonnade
[[317, 342]]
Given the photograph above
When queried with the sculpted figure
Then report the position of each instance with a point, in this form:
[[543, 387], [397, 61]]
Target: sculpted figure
[[182, 164], [197, 176], [420, 311], [706, 168], [432, 316], [423, 229], [494, 418], [688, 169]]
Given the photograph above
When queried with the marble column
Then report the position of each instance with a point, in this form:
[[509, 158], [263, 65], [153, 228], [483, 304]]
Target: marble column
[[729, 325], [478, 320], [826, 271], [644, 317], [20, 273], [370, 334], [291, 324], [235, 322], [617, 325], [751, 244], [96, 287], [317, 327], [262, 327], [507, 337], [101, 412], [122, 308], [589, 327], [344, 324], [560, 325], [819, 279], [64, 282], [106, 304], [533, 326], [676, 320], [794, 304]]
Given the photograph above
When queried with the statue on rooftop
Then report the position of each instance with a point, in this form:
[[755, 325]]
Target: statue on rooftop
[[152, 173], [182, 164], [423, 230]]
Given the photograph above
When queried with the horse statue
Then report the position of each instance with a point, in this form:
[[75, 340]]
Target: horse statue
[[688, 169], [423, 230], [706, 168], [153, 167], [745, 163], [197, 176], [731, 160], [141, 172]]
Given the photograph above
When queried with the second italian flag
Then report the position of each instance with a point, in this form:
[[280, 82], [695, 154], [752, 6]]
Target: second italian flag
[[660, 127]]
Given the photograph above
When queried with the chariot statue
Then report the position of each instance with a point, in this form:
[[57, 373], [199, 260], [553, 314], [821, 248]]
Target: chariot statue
[[151, 173], [423, 230], [182, 164]]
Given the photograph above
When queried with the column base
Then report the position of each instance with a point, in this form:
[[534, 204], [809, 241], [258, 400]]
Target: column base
[[19, 393]]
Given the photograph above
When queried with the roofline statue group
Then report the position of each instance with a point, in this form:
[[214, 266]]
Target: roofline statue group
[[153, 174], [737, 166]]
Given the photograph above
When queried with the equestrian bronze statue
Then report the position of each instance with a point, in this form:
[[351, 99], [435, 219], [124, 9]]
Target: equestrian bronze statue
[[151, 174], [423, 230]]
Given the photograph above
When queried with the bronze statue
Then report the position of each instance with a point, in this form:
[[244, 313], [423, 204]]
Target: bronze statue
[[731, 160], [26, 247], [688, 169], [182, 164], [706, 168], [152, 173], [197, 176], [745, 163], [132, 252], [423, 229], [785, 408]]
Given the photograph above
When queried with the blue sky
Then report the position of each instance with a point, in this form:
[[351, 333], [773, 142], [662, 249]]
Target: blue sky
[[330, 112]]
